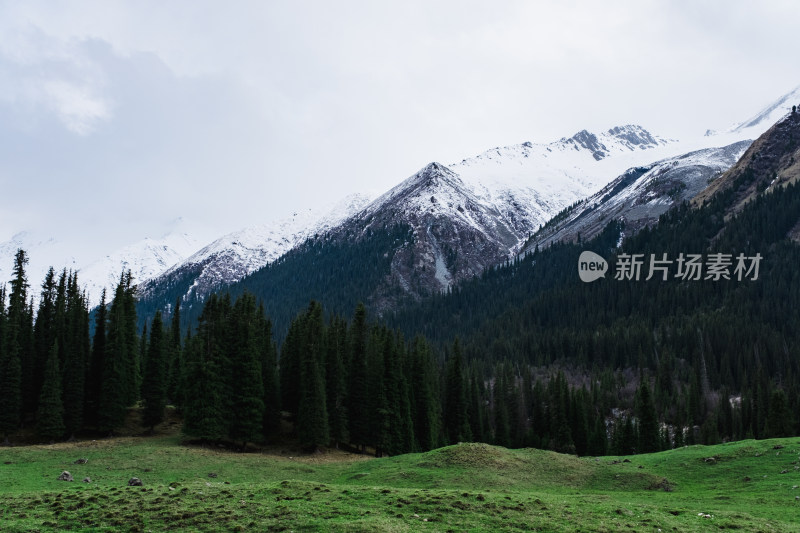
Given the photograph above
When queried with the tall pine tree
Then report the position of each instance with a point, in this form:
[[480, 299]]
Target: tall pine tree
[[50, 417], [11, 356], [154, 382]]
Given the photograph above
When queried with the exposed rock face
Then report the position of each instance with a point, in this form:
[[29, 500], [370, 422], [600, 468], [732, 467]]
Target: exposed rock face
[[454, 235], [773, 160], [640, 195]]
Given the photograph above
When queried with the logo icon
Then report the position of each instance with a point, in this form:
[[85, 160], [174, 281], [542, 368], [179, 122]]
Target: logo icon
[[591, 267]]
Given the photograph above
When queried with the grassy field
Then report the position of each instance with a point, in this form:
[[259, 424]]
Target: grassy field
[[468, 487]]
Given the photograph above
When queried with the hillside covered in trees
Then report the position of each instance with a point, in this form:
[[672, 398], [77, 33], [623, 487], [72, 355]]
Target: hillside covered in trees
[[524, 355]]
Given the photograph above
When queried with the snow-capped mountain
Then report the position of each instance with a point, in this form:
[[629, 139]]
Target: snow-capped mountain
[[42, 252], [753, 127], [496, 199], [145, 259], [465, 217], [640, 195], [234, 256]]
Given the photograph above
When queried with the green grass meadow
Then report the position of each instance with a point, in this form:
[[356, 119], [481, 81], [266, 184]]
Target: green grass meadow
[[467, 487]]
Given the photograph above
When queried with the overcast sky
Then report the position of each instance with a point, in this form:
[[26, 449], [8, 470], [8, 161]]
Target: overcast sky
[[118, 117]]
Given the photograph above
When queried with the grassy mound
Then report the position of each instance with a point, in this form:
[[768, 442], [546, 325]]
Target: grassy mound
[[749, 486]]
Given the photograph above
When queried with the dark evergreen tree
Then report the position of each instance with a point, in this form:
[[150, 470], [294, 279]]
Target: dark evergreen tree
[[97, 362], [50, 416], [269, 374], [779, 421], [246, 389], [598, 441], [455, 407], [358, 397], [336, 381], [44, 335], [378, 407], [117, 389], [290, 367], [11, 355], [502, 426], [204, 387], [154, 390], [175, 355], [426, 405], [312, 418], [649, 440], [76, 356]]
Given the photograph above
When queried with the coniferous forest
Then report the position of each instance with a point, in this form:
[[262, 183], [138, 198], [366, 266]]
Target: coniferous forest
[[524, 355]]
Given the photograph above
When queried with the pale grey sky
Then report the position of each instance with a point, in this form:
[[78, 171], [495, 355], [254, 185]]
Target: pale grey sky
[[119, 116]]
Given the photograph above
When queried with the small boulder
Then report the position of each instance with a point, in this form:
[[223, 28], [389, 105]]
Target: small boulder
[[81, 461], [65, 476], [135, 482], [212, 474], [87, 479]]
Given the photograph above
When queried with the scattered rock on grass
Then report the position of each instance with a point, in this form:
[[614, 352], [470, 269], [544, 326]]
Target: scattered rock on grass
[[212, 474], [81, 461], [135, 482], [87, 479], [65, 476]]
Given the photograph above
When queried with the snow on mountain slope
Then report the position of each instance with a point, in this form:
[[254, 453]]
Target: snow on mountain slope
[[42, 253], [465, 217], [242, 252], [529, 183], [640, 195], [145, 259], [753, 127]]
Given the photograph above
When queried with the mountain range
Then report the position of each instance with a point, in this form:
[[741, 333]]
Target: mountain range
[[463, 217]]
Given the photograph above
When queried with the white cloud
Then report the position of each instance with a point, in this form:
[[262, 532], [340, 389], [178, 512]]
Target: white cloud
[[77, 107]]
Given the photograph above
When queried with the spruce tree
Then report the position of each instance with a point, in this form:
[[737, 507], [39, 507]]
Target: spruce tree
[[312, 417], [269, 376], [119, 367], [44, 334], [426, 406], [154, 393], [502, 427], [175, 355], [50, 416], [204, 387], [11, 358], [455, 412], [358, 397], [378, 407], [290, 366], [779, 420], [648, 420], [97, 361], [76, 355], [336, 381], [246, 391]]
